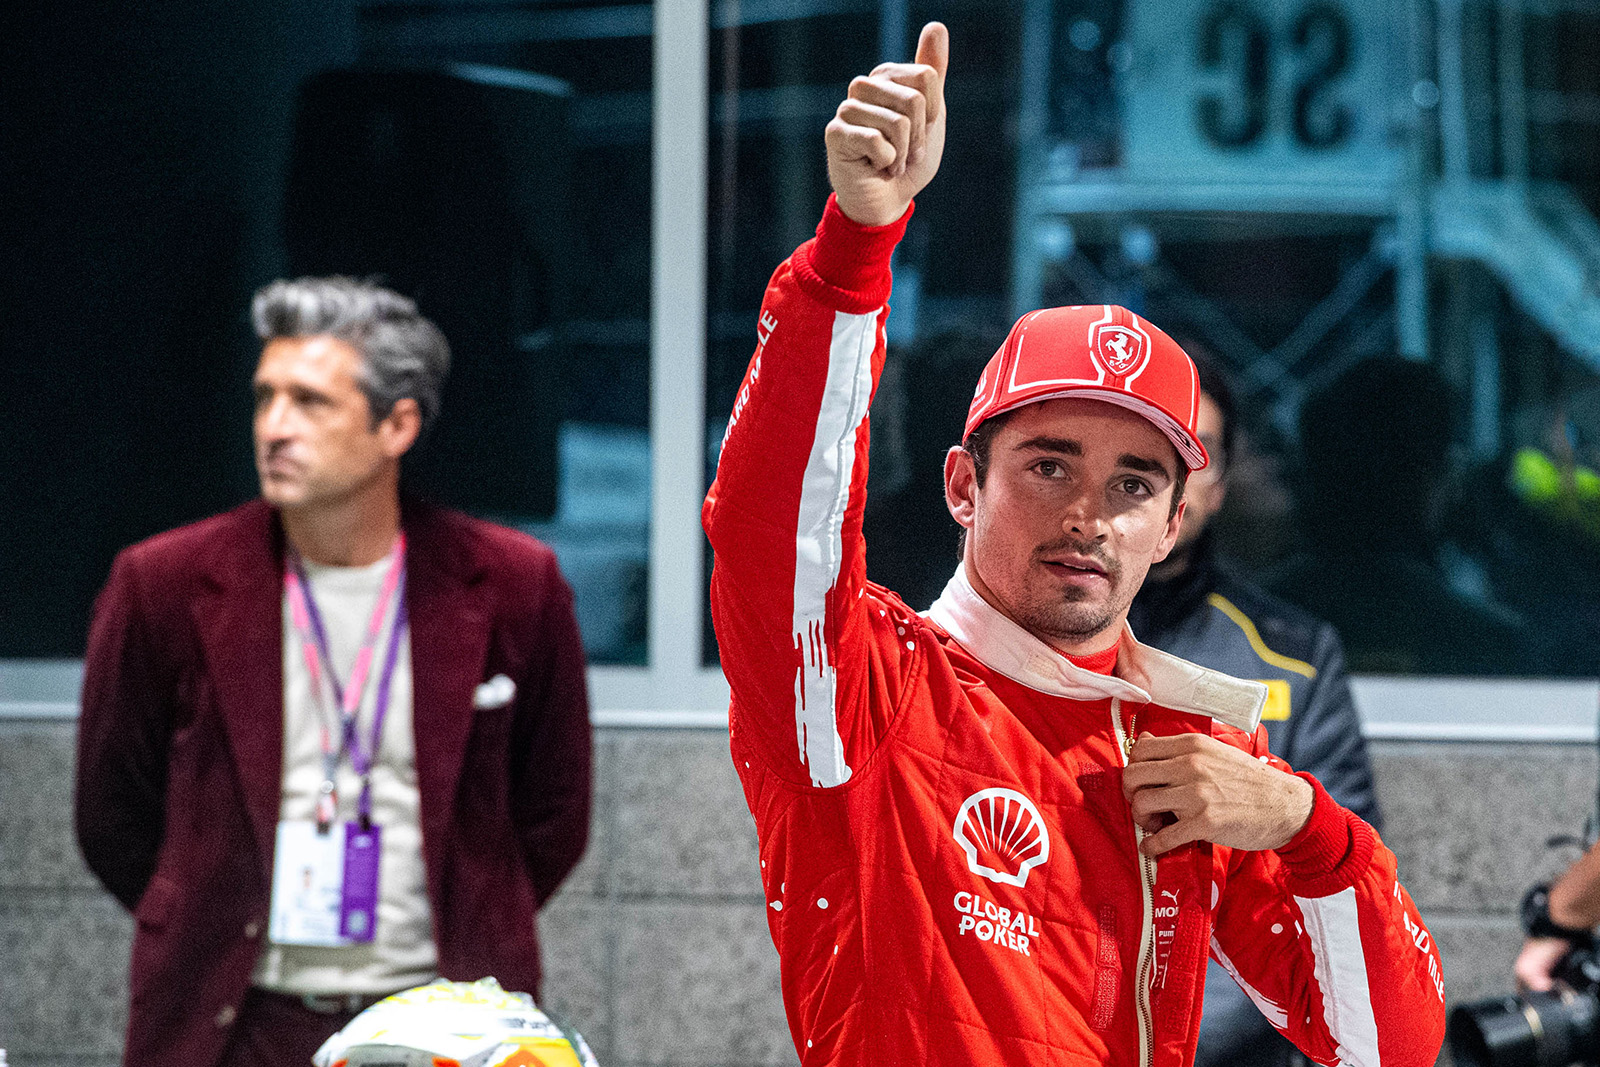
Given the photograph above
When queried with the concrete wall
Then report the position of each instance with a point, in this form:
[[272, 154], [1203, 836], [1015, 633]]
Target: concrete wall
[[658, 948]]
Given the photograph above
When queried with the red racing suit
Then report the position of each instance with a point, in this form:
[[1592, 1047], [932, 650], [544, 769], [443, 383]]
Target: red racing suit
[[951, 869]]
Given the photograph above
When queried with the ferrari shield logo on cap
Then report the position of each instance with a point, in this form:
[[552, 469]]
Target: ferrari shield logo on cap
[[1121, 350]]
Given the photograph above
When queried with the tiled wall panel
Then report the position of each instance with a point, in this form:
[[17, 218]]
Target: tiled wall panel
[[657, 947]]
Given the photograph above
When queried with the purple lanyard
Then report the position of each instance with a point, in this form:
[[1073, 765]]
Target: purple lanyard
[[347, 697]]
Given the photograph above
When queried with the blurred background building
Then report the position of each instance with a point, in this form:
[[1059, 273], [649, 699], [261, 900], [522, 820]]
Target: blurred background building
[[1379, 215]]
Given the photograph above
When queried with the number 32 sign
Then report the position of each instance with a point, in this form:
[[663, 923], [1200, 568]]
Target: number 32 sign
[[1261, 91]]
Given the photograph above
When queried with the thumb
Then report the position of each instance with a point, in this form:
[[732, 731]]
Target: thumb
[[933, 49], [1168, 838]]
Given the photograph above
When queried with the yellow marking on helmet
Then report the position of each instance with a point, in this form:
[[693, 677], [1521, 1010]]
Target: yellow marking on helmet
[[1287, 663], [540, 1052]]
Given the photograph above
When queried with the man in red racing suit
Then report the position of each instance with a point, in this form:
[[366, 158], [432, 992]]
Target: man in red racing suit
[[1006, 832]]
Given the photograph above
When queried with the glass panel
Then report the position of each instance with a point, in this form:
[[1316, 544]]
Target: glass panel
[[1241, 178], [550, 116], [491, 160]]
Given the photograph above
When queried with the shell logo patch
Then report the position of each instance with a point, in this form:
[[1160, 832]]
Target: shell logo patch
[[1002, 834]]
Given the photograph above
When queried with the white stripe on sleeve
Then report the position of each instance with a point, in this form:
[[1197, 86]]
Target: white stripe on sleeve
[[819, 547], [1334, 928], [1269, 1008]]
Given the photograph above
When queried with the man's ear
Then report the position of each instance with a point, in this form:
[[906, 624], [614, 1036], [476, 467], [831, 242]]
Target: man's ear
[[398, 430], [960, 486]]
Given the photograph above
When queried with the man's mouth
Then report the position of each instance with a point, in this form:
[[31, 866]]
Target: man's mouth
[[1078, 567], [278, 465]]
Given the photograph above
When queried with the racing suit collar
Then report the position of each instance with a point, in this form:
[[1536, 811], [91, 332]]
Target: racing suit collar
[[1144, 675]]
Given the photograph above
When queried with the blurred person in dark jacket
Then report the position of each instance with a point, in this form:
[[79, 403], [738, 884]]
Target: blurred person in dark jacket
[[334, 742], [1197, 606]]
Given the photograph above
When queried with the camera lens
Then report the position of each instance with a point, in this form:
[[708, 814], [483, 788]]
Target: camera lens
[[1539, 1030]]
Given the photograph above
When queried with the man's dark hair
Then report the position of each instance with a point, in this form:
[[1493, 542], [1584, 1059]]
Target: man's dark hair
[[981, 439]]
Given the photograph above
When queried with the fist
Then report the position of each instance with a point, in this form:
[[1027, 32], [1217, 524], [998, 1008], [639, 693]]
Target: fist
[[886, 139], [1190, 787]]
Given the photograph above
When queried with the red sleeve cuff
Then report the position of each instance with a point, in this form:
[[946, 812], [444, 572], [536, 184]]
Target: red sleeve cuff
[[846, 266], [1331, 851]]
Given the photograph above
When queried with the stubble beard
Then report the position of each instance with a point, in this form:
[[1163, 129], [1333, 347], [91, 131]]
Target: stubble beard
[[1068, 618], [1059, 614], [1069, 615]]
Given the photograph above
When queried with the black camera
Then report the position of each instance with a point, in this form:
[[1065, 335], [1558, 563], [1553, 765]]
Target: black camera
[[1555, 1029]]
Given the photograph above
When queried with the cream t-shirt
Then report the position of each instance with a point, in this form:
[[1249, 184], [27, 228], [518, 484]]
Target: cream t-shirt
[[402, 952]]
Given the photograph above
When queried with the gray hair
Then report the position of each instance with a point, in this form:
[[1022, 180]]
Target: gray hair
[[402, 353]]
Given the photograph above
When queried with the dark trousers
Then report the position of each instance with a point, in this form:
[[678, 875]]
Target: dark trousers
[[273, 1030]]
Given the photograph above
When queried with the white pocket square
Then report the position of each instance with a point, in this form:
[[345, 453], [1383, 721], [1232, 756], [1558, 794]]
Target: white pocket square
[[497, 692]]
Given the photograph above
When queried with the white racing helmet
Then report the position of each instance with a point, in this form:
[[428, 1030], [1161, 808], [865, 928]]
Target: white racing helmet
[[455, 1024]]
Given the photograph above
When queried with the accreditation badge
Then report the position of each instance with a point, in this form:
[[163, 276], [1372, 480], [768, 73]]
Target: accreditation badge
[[358, 899], [324, 884]]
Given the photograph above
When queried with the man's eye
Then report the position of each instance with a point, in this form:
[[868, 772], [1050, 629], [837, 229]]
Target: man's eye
[[1048, 467], [1135, 486]]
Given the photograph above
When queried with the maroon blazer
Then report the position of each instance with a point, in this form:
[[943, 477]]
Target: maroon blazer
[[180, 756]]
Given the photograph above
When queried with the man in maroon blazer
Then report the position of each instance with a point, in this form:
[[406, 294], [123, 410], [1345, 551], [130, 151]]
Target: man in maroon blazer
[[334, 742]]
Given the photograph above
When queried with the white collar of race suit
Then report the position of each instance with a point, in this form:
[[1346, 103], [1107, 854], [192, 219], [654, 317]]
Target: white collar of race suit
[[1144, 675]]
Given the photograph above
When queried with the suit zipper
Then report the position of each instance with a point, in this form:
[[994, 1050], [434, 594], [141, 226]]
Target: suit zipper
[[1147, 881]]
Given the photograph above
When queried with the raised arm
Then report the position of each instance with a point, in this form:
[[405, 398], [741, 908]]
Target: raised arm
[[788, 591]]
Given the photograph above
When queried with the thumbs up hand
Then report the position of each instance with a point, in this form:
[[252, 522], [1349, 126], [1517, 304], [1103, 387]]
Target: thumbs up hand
[[886, 139]]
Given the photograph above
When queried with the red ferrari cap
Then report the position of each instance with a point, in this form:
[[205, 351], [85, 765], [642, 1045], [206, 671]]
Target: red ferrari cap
[[1097, 352]]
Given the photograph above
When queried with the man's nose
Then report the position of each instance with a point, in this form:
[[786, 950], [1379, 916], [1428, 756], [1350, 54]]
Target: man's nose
[[272, 420], [1084, 514]]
